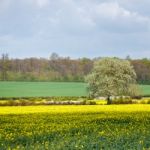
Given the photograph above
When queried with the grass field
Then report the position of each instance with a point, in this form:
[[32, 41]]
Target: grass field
[[75, 127], [145, 89], [33, 89]]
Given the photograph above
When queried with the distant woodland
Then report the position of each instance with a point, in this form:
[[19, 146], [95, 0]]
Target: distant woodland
[[58, 68]]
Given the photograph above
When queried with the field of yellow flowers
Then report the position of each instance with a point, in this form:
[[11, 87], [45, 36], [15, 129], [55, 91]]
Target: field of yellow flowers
[[75, 127]]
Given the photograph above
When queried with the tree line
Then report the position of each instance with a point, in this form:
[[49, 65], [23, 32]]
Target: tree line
[[58, 68], [55, 68]]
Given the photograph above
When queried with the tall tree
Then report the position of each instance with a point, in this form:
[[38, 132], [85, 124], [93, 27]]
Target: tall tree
[[4, 66], [111, 77]]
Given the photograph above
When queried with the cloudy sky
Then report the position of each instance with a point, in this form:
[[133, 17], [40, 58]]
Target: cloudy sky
[[75, 28]]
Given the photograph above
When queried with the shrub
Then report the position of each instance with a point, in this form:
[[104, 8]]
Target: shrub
[[136, 97], [148, 102], [124, 101], [91, 103], [143, 102]]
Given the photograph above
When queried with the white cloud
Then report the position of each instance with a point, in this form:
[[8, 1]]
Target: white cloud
[[80, 25], [42, 3], [114, 11], [113, 17], [38, 3], [108, 16]]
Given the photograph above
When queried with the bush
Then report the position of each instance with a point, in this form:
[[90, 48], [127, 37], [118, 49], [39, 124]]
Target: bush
[[17, 103], [23, 102], [59, 98], [91, 103], [148, 102], [123, 101], [136, 97], [143, 102]]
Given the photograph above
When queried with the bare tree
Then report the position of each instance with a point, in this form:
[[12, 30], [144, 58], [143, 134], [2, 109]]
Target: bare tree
[[4, 66]]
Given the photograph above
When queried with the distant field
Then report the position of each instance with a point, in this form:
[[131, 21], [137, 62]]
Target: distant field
[[114, 127], [33, 89], [145, 89]]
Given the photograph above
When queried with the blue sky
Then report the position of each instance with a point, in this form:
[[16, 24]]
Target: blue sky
[[75, 28]]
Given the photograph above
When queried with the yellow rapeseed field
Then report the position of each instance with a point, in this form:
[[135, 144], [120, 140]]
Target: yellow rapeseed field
[[74, 109], [75, 127]]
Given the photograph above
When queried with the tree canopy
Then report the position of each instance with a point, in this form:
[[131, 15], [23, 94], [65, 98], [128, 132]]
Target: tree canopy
[[111, 77]]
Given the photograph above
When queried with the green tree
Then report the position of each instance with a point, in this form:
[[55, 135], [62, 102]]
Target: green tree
[[111, 77], [4, 66]]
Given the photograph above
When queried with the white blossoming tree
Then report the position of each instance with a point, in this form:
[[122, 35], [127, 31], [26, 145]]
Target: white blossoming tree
[[112, 77]]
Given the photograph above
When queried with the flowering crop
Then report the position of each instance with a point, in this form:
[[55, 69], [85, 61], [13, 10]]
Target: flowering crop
[[75, 127]]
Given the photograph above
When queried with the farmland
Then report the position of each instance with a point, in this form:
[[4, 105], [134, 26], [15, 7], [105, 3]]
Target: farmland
[[75, 127], [145, 89], [34, 89]]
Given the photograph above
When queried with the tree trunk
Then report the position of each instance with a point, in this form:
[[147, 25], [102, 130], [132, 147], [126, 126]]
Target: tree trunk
[[108, 100]]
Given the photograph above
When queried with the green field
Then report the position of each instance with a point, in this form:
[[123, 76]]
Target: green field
[[145, 89], [33, 89], [75, 127]]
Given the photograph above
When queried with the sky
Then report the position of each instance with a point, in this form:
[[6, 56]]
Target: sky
[[75, 28]]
